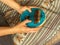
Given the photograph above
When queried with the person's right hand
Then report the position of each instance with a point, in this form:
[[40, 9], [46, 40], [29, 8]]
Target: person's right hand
[[16, 6], [23, 8]]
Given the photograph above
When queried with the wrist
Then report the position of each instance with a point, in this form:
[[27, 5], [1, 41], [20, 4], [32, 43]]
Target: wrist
[[13, 31]]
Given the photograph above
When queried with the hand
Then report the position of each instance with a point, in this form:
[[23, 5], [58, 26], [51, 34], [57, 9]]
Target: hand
[[27, 8], [23, 8], [16, 6], [22, 28]]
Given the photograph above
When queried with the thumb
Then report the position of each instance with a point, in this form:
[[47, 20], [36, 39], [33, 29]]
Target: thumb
[[33, 7], [26, 21], [29, 10]]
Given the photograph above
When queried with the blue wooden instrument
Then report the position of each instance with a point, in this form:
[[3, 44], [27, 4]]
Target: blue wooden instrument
[[37, 17]]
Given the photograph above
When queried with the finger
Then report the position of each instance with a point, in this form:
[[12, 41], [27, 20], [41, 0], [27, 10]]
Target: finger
[[30, 30], [33, 7], [25, 30], [33, 29], [28, 8]]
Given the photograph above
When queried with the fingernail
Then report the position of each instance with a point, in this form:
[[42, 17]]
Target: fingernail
[[30, 11]]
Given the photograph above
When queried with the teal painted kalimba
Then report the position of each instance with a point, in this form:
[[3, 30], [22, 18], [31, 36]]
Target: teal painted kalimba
[[37, 17]]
